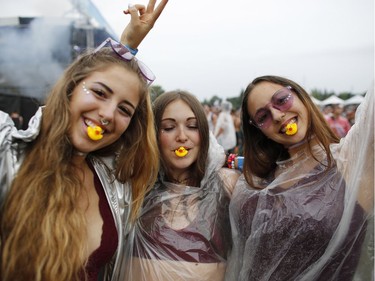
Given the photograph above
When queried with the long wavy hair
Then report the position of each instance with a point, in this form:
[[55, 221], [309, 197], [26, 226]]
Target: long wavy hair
[[260, 152], [159, 105], [43, 229]]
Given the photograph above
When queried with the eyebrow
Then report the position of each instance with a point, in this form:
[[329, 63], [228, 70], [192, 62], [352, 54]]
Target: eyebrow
[[105, 86], [111, 92], [174, 120]]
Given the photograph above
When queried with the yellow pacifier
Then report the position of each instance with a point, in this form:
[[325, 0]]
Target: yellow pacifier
[[95, 132], [181, 151], [291, 129]]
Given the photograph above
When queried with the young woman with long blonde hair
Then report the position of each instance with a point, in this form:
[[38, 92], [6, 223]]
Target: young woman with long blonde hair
[[74, 181]]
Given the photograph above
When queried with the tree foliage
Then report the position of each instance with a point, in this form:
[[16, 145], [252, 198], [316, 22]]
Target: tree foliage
[[155, 91]]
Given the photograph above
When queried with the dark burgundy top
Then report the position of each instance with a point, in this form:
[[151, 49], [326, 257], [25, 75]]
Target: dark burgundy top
[[109, 241], [205, 240]]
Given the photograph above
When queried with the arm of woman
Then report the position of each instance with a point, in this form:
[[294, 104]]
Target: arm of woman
[[355, 154], [11, 146], [141, 22], [229, 178]]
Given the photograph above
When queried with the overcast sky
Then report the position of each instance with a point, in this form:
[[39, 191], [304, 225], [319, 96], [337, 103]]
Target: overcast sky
[[216, 47]]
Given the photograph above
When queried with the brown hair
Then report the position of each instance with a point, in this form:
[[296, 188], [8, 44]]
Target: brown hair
[[260, 152], [159, 106], [43, 231]]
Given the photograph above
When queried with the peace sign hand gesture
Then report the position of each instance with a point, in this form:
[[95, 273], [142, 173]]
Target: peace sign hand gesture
[[142, 21]]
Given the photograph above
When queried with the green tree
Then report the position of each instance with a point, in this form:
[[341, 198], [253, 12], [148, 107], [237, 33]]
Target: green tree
[[212, 101], [237, 101], [345, 95], [155, 91]]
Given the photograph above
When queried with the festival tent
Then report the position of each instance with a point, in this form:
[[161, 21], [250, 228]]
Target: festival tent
[[333, 100], [316, 101], [357, 99]]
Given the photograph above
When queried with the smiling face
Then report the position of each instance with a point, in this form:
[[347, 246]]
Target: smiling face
[[262, 99], [179, 128], [112, 95]]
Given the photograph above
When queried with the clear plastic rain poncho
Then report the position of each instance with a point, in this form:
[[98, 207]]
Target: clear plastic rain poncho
[[183, 232], [308, 223]]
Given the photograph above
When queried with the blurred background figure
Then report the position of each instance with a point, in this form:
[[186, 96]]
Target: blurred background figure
[[17, 119], [225, 132], [211, 117], [236, 115], [338, 123], [327, 111], [349, 112]]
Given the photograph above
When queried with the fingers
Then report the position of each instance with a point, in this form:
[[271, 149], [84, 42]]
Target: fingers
[[133, 10], [142, 20], [159, 8], [151, 6]]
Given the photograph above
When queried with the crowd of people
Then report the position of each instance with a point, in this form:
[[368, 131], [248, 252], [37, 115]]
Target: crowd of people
[[225, 122], [105, 185], [340, 118]]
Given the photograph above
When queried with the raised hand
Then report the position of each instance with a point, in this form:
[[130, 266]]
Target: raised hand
[[142, 21]]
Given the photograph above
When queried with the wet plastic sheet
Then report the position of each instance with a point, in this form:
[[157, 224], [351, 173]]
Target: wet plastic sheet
[[308, 223], [183, 233]]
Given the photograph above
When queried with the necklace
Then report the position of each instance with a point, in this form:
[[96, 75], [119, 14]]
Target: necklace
[[182, 182]]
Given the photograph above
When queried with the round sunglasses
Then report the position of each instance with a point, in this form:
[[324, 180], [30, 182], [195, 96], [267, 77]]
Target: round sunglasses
[[125, 54], [281, 100]]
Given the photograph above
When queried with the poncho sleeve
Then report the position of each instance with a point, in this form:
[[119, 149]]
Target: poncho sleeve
[[12, 142]]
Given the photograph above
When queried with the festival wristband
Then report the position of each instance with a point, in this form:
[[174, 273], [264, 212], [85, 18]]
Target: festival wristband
[[132, 51], [230, 161]]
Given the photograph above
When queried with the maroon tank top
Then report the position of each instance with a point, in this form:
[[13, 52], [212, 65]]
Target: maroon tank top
[[109, 240]]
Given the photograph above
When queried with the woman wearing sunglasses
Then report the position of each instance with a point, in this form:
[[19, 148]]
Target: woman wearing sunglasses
[[73, 182], [183, 232], [300, 210]]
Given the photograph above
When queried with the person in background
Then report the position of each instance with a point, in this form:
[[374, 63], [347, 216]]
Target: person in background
[[224, 128], [183, 232], [236, 115], [302, 207], [211, 117], [338, 123], [74, 181], [327, 111], [17, 119], [349, 112]]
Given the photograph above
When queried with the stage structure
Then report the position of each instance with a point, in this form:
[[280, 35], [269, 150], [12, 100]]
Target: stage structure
[[36, 50]]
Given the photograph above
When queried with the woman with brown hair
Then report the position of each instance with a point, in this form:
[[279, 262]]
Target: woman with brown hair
[[300, 211], [183, 231]]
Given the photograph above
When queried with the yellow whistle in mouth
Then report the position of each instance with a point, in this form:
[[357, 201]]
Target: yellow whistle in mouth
[[181, 151], [95, 133], [291, 129]]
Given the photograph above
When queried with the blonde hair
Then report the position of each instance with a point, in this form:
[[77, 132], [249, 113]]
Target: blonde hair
[[43, 231]]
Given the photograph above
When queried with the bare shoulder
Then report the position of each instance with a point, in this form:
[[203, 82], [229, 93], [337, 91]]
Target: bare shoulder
[[229, 178]]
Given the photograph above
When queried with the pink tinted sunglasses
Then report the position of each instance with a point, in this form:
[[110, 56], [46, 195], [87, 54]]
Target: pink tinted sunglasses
[[125, 54], [281, 100]]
